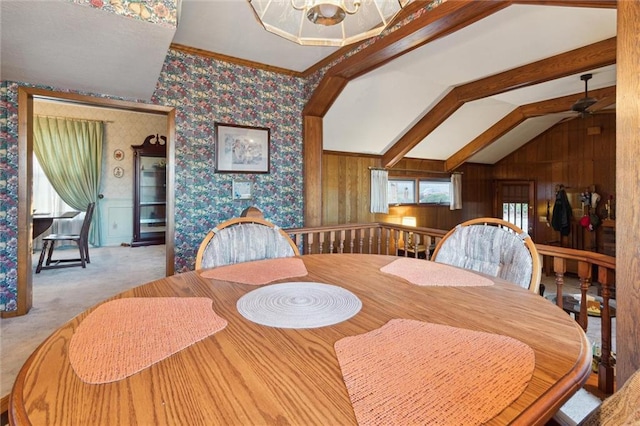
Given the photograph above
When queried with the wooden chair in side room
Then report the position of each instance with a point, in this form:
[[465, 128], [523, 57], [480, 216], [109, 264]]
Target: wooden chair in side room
[[81, 239], [494, 247], [244, 239]]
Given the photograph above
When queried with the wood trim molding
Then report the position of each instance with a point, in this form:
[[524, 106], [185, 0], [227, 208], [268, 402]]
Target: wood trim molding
[[233, 60], [628, 197], [312, 155]]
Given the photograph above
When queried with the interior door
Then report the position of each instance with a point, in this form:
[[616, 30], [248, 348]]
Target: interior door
[[515, 203]]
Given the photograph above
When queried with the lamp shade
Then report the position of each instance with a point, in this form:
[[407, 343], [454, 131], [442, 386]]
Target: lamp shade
[[409, 221], [282, 18]]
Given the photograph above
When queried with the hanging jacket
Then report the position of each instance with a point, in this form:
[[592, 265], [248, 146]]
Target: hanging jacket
[[561, 217]]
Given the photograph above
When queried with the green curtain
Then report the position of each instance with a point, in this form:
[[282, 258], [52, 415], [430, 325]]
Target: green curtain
[[70, 153]]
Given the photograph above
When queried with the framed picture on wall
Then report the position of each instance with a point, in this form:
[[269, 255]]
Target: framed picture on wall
[[241, 190], [242, 149]]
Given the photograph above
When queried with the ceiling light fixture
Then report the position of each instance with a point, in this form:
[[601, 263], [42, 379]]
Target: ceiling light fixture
[[326, 22]]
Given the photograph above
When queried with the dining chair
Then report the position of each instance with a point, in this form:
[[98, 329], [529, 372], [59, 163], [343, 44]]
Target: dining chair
[[81, 239], [253, 212], [244, 239], [494, 247], [620, 408]]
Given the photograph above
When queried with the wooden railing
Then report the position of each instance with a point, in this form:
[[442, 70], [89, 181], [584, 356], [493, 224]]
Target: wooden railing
[[395, 239], [369, 238], [591, 267]]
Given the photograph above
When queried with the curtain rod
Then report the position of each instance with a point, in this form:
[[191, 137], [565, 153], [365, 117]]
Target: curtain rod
[[415, 170], [73, 118]]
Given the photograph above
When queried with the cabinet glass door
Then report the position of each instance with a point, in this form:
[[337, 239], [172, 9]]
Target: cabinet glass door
[[152, 194]]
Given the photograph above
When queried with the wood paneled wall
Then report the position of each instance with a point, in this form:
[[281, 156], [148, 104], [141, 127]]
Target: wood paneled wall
[[566, 154], [346, 189]]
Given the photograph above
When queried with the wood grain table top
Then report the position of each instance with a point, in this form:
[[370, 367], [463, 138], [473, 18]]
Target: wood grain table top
[[253, 374]]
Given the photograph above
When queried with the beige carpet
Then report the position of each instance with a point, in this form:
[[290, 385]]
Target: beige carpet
[[61, 294]]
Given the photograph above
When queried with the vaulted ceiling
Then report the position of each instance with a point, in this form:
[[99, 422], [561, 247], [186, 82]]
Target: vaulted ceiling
[[468, 81]]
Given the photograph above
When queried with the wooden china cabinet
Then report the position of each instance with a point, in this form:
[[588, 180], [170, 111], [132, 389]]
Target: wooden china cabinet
[[149, 191]]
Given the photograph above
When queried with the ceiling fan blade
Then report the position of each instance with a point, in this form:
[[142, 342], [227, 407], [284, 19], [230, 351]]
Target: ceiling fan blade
[[570, 117], [605, 102]]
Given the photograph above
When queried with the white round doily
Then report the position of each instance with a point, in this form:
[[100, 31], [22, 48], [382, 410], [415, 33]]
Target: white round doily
[[299, 305]]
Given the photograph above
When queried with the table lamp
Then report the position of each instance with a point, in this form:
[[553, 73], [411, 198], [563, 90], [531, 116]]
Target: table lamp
[[409, 221]]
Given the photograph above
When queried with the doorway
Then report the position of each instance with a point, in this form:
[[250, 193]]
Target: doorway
[[515, 202], [26, 98]]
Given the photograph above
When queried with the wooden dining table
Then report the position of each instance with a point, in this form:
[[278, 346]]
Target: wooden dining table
[[248, 373], [42, 221]]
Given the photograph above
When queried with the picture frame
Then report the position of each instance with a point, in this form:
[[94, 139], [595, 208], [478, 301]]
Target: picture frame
[[401, 191], [242, 149], [241, 190]]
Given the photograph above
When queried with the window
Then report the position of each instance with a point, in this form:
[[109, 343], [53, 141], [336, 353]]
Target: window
[[434, 192], [402, 191]]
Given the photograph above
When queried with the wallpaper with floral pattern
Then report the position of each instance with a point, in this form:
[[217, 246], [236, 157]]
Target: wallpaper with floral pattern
[[163, 12], [203, 91]]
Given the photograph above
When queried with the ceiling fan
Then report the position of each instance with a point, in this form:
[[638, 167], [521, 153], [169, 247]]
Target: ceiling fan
[[582, 105]]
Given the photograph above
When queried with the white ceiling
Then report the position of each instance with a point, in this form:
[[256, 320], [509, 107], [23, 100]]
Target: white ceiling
[[64, 45]]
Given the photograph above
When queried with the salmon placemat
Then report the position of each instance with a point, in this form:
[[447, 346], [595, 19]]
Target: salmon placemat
[[125, 336], [412, 372], [258, 272], [426, 273]]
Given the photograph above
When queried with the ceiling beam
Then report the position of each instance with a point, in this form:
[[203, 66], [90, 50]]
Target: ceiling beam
[[520, 114], [499, 129], [444, 19], [579, 60]]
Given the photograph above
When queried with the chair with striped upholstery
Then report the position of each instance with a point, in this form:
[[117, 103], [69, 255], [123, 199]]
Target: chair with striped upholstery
[[494, 247]]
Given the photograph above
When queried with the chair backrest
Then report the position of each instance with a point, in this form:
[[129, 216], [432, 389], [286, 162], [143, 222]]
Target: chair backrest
[[494, 247], [86, 223], [621, 408], [252, 212], [244, 239]]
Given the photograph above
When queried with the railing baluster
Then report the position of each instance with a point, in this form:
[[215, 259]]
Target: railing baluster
[[332, 239], [310, 243], [341, 250], [584, 273], [321, 236], [560, 268], [605, 370], [351, 241]]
